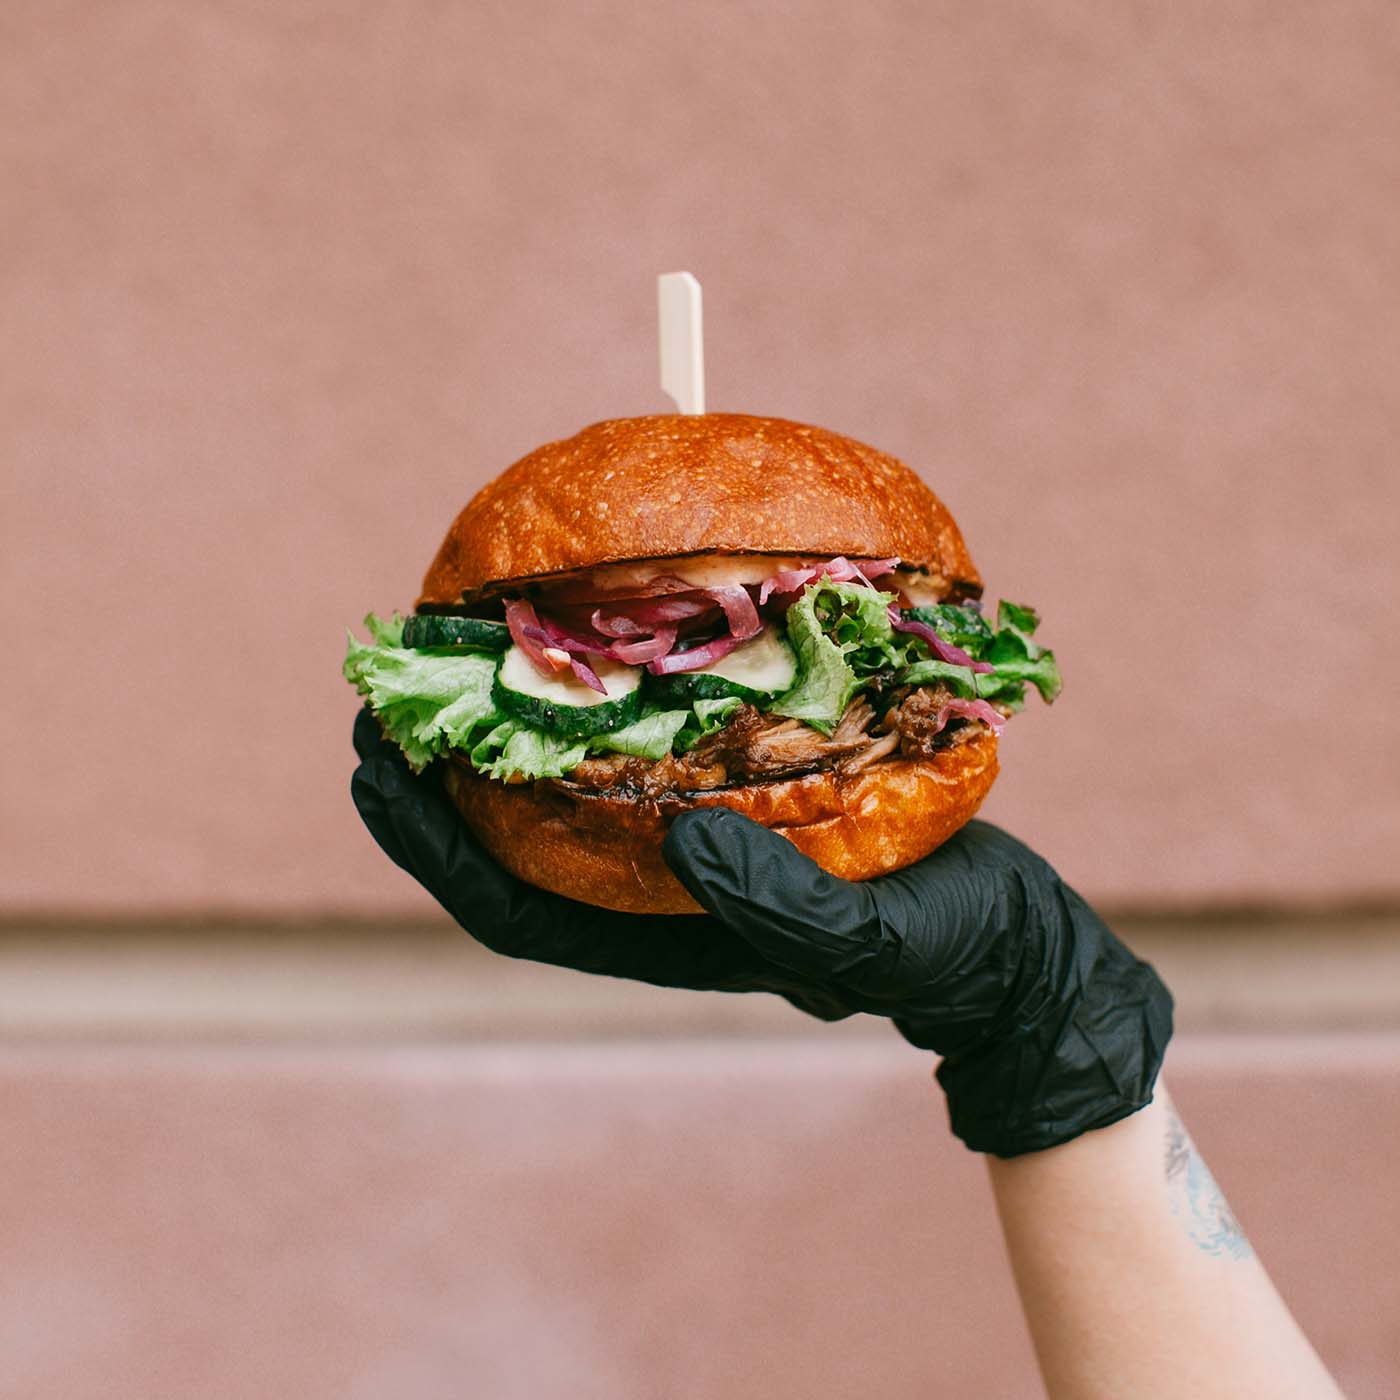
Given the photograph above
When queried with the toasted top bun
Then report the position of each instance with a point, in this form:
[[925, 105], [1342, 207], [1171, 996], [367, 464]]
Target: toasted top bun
[[605, 848], [679, 484]]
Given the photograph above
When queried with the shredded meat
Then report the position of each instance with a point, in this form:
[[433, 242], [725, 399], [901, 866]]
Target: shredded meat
[[913, 720], [609, 770], [754, 745], [873, 752], [758, 746]]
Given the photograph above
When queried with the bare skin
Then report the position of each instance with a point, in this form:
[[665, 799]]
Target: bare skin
[[1136, 1278]]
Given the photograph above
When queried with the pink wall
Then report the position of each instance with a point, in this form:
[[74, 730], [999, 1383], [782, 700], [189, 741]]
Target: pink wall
[[700, 1222], [282, 285]]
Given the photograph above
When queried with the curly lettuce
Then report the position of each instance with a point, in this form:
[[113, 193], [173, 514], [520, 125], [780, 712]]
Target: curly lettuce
[[427, 701], [432, 700], [841, 634], [1015, 657]]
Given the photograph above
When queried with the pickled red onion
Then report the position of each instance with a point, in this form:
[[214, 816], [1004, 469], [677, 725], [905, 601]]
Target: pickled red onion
[[696, 658], [945, 651]]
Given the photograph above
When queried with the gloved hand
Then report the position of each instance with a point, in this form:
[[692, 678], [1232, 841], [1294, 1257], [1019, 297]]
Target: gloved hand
[[1048, 1026]]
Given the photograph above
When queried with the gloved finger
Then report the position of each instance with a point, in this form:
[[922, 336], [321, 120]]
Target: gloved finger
[[523, 921], [368, 735], [971, 901], [394, 804], [685, 951], [779, 900], [374, 812], [420, 829], [372, 748], [825, 1006]]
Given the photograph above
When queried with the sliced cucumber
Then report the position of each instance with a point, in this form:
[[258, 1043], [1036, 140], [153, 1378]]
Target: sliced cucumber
[[755, 670], [563, 704], [426, 630]]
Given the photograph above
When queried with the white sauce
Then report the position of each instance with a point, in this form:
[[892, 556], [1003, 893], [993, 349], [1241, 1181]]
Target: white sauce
[[718, 570]]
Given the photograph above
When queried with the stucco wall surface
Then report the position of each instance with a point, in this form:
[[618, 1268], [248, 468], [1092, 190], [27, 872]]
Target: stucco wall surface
[[703, 1222], [282, 285]]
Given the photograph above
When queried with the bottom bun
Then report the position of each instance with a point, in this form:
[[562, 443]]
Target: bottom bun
[[605, 848]]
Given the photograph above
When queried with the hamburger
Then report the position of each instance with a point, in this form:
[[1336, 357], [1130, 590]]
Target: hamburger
[[682, 611]]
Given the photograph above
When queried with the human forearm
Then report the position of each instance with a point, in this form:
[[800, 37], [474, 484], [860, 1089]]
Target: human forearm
[[1136, 1278]]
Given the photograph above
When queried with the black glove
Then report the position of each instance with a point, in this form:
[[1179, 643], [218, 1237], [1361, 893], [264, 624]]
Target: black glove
[[1048, 1026]]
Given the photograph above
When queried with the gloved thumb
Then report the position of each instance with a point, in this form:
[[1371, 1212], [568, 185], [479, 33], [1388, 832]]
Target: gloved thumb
[[777, 899]]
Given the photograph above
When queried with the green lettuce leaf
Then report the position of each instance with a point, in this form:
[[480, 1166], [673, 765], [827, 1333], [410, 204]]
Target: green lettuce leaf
[[1013, 639], [426, 701], [964, 627], [648, 737], [830, 627], [714, 714], [385, 634], [706, 716], [1009, 678], [857, 619], [841, 634], [1018, 659], [513, 749], [1016, 617], [961, 680]]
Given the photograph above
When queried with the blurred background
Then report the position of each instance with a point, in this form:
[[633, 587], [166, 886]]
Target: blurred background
[[282, 285]]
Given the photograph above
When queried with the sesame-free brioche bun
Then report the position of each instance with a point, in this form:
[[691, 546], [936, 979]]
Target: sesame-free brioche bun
[[679, 484], [605, 848]]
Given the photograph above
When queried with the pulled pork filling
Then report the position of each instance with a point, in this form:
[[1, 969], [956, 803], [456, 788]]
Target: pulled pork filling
[[758, 747]]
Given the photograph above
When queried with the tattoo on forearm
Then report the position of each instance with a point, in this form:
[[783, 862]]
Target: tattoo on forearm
[[1196, 1200]]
